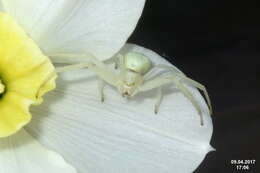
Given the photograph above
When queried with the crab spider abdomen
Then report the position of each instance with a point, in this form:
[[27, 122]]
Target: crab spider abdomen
[[137, 62]]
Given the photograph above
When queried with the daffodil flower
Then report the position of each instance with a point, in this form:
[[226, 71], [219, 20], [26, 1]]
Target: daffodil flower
[[116, 136], [29, 31], [23, 71]]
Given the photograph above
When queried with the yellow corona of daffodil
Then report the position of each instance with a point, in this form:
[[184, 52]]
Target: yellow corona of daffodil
[[24, 70]]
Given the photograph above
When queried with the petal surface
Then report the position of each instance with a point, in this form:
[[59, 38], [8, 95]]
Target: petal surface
[[122, 135], [99, 27], [21, 153]]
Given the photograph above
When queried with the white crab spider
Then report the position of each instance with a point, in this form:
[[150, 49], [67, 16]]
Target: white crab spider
[[133, 77]]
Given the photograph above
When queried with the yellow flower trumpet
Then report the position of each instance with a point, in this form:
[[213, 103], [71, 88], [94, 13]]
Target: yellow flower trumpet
[[23, 73]]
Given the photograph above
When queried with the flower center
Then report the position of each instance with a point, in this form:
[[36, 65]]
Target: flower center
[[2, 87]]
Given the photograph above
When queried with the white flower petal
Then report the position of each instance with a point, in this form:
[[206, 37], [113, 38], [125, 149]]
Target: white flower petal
[[119, 135], [100, 27], [21, 153]]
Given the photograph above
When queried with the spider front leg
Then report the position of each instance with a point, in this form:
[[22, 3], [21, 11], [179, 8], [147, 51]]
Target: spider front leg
[[93, 64]]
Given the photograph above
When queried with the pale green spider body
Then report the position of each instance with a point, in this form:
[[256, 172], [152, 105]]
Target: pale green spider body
[[134, 76], [135, 66], [137, 62]]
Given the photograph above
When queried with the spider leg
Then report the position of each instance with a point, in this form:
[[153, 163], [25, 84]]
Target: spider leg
[[188, 95], [158, 100], [155, 83], [94, 65], [121, 64], [101, 85], [118, 60], [115, 59], [169, 68], [70, 58], [201, 87], [158, 82], [163, 66]]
